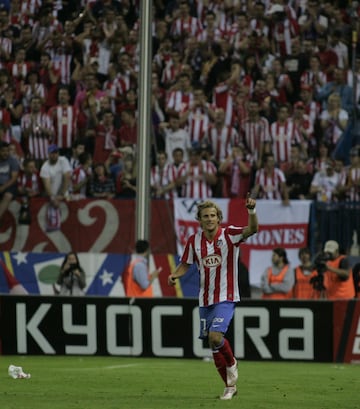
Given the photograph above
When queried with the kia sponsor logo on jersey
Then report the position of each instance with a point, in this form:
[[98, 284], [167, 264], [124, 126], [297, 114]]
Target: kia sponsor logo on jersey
[[213, 260]]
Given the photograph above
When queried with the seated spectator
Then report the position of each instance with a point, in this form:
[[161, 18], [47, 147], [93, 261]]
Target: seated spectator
[[102, 185], [9, 169]]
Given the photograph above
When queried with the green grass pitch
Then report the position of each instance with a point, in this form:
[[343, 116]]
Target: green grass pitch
[[154, 383]]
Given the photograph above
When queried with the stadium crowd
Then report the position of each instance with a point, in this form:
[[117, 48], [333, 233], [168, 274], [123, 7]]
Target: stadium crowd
[[246, 96]]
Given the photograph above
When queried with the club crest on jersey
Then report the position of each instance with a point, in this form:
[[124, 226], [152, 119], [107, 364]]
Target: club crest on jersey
[[213, 260], [219, 243]]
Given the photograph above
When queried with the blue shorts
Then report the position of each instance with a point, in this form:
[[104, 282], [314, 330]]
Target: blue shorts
[[216, 318]]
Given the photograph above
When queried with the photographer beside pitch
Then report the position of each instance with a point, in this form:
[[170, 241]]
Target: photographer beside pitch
[[338, 280], [72, 276], [215, 250]]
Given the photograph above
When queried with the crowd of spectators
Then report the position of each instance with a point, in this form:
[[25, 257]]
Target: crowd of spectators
[[246, 95]]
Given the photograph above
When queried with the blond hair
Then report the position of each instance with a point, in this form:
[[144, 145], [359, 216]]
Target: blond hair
[[206, 205]]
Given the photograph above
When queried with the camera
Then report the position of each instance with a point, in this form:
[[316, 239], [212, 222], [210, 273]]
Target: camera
[[72, 266], [320, 267]]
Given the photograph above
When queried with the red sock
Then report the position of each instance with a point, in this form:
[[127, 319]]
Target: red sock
[[220, 364], [227, 353]]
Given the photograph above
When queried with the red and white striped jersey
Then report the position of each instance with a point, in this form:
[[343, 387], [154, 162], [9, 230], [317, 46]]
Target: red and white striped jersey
[[30, 8], [78, 175], [270, 184], [190, 26], [179, 101], [283, 136], [308, 77], [19, 71], [195, 185], [30, 181], [65, 124], [62, 63], [313, 110], [254, 134], [198, 124], [217, 261], [222, 140], [163, 177], [37, 143], [222, 98], [29, 92], [282, 33]]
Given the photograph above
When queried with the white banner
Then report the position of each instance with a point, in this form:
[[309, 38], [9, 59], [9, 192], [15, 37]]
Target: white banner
[[279, 226]]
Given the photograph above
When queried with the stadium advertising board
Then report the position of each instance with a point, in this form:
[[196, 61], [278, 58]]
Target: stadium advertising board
[[166, 327]]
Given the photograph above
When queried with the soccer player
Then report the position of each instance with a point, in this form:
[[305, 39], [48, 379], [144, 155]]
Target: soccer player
[[215, 250]]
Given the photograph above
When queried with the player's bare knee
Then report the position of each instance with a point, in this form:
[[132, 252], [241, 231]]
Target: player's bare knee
[[215, 339]]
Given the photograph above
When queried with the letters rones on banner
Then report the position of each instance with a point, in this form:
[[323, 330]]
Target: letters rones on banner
[[279, 226]]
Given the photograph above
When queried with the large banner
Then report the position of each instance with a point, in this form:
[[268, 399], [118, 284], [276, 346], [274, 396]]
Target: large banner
[[89, 225], [37, 273], [279, 226], [161, 327]]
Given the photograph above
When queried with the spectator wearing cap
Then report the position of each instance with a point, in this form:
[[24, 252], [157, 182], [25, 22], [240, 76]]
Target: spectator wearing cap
[[197, 176], [353, 176], [9, 169], [55, 174], [37, 132], [338, 276]]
